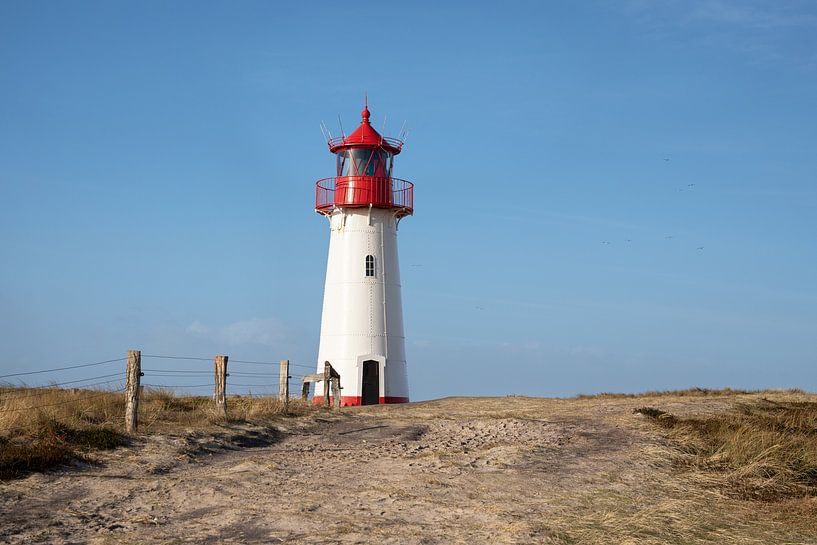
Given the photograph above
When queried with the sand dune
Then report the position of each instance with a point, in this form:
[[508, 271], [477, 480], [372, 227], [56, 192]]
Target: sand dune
[[457, 470]]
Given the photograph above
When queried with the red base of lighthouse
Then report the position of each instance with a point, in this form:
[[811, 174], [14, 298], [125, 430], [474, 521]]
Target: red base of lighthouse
[[356, 401]]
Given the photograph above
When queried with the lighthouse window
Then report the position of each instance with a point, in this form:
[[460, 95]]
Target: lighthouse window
[[343, 168], [369, 265], [364, 162]]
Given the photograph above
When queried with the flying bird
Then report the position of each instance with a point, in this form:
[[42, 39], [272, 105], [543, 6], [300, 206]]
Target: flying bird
[[700, 248]]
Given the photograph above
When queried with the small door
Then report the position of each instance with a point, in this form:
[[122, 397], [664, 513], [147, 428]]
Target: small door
[[371, 383]]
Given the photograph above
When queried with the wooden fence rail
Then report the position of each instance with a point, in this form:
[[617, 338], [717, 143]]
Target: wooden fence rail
[[331, 381]]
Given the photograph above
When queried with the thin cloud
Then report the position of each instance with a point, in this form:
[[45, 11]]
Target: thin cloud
[[266, 332], [198, 328]]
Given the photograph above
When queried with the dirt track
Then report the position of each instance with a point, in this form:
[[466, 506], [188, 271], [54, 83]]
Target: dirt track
[[501, 470]]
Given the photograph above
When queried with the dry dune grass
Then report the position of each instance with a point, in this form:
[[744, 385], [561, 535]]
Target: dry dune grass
[[688, 392], [42, 427], [761, 450]]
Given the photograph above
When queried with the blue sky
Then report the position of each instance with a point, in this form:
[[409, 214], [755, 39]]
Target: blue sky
[[158, 160]]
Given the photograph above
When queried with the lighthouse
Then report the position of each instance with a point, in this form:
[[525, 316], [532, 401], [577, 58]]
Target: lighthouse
[[362, 319]]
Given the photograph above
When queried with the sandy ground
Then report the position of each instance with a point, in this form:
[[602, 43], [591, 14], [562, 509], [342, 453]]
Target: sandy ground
[[457, 470]]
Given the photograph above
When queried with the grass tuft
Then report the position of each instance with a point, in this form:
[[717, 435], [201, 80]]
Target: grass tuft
[[764, 450], [656, 414]]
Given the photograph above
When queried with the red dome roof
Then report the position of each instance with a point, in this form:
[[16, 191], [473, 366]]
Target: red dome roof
[[365, 136]]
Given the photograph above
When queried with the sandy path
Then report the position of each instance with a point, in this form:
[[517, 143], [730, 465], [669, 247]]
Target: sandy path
[[452, 471]]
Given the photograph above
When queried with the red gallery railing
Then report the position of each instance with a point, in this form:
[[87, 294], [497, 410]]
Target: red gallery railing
[[343, 140], [377, 191]]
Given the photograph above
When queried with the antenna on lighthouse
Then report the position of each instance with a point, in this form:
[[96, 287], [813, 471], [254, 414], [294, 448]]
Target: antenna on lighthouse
[[385, 117], [341, 127], [324, 131], [402, 130]]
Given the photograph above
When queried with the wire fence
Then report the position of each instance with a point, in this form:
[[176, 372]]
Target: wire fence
[[62, 368], [181, 374], [46, 390], [62, 402]]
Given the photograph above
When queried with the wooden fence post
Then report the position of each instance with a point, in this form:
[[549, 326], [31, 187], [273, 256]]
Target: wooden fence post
[[220, 393], [305, 390], [336, 392], [132, 389], [283, 383], [327, 377]]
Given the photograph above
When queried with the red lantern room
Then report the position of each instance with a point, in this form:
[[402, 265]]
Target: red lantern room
[[364, 166]]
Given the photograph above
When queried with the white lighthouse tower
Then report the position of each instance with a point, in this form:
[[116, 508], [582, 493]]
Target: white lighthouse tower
[[362, 322]]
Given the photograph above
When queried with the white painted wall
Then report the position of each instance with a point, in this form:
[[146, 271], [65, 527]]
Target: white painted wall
[[363, 316]]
